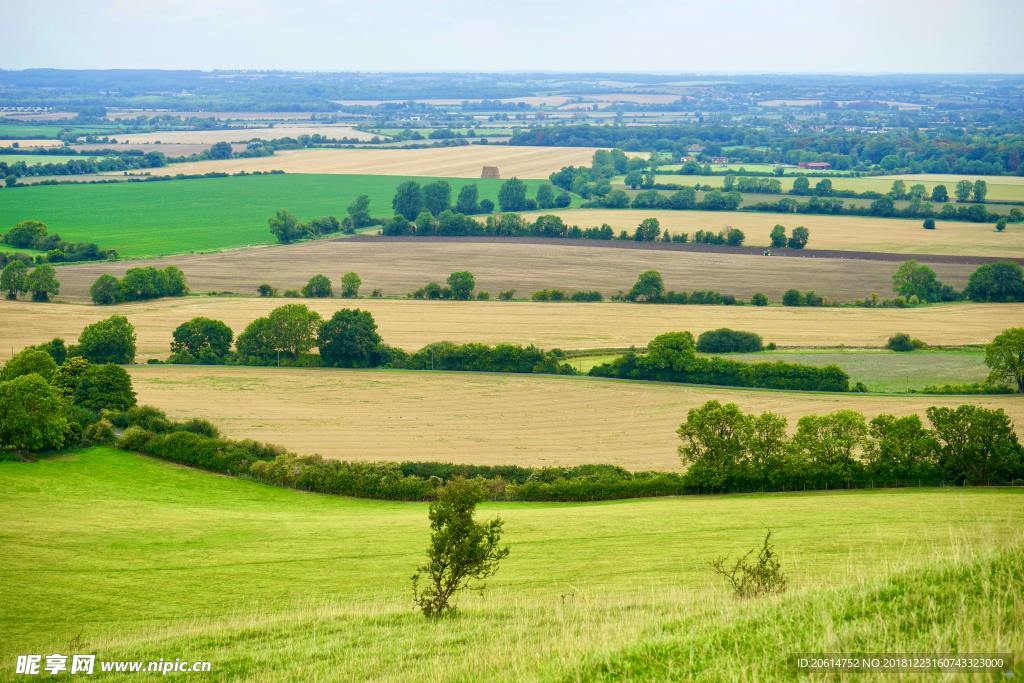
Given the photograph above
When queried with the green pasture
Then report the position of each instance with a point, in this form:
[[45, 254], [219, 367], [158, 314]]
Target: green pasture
[[126, 557], [10, 129], [176, 216], [35, 159]]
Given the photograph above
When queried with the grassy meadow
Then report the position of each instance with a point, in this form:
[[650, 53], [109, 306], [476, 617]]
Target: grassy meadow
[[180, 216], [37, 159], [130, 558]]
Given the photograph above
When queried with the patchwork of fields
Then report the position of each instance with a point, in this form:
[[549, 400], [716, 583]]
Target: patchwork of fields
[[412, 324], [220, 564], [482, 418], [286, 130]]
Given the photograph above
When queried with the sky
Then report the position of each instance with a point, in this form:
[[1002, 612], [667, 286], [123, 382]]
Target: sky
[[671, 36]]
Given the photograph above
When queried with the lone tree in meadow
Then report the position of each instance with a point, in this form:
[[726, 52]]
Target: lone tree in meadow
[[1005, 358], [649, 287], [462, 550], [318, 287]]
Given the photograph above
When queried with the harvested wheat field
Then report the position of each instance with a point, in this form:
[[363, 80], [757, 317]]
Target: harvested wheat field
[[412, 324], [244, 134], [852, 233], [477, 418], [450, 162], [43, 142], [399, 267]]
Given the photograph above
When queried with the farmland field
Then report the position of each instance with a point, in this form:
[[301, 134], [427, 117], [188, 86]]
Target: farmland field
[[286, 130], [889, 370], [174, 216], [466, 417], [35, 142], [34, 159], [464, 161], [1002, 188], [413, 324], [400, 267], [854, 233], [221, 563]]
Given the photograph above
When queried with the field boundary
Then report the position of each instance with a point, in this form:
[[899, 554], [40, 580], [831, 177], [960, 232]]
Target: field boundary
[[693, 247]]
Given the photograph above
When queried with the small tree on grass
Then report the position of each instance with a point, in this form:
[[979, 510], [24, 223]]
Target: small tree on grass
[[461, 550], [752, 579]]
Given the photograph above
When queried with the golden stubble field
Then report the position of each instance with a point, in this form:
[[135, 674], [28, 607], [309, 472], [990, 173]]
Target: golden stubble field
[[411, 324], [398, 268], [476, 418], [465, 161], [852, 233], [287, 130]]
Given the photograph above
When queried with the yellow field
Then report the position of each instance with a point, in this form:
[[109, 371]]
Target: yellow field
[[854, 233], [411, 324], [449, 162], [32, 143], [243, 134], [478, 418], [1003, 188], [398, 268]]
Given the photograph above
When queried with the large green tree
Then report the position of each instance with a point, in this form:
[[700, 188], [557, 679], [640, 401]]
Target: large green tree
[[202, 340], [649, 287], [28, 361], [12, 279], [104, 387], [286, 227], [108, 341], [31, 415], [1005, 358], [408, 200], [349, 340], [915, 279], [42, 283], [1001, 281], [462, 283], [105, 290], [437, 196], [512, 195]]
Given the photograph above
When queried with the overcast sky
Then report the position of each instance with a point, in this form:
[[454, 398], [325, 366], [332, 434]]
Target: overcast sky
[[551, 35]]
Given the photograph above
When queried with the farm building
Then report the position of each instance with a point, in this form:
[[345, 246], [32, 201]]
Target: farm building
[[816, 165], [719, 160]]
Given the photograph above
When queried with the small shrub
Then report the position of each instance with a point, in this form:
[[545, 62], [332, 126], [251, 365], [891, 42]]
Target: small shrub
[[506, 295], [929, 224], [266, 290], [759, 299], [754, 579], [903, 342]]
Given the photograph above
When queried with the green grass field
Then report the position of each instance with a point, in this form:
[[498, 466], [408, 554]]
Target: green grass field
[[125, 557], [881, 371], [178, 216], [10, 129], [34, 159], [889, 371]]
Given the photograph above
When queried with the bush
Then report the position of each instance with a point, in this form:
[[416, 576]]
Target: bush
[[266, 290], [724, 340], [792, 297], [903, 342], [929, 224], [759, 299], [27, 361], [32, 416], [201, 340], [483, 358], [506, 295], [754, 579], [350, 283]]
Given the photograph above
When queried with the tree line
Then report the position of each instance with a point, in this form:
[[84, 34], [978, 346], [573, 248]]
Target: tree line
[[34, 235]]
